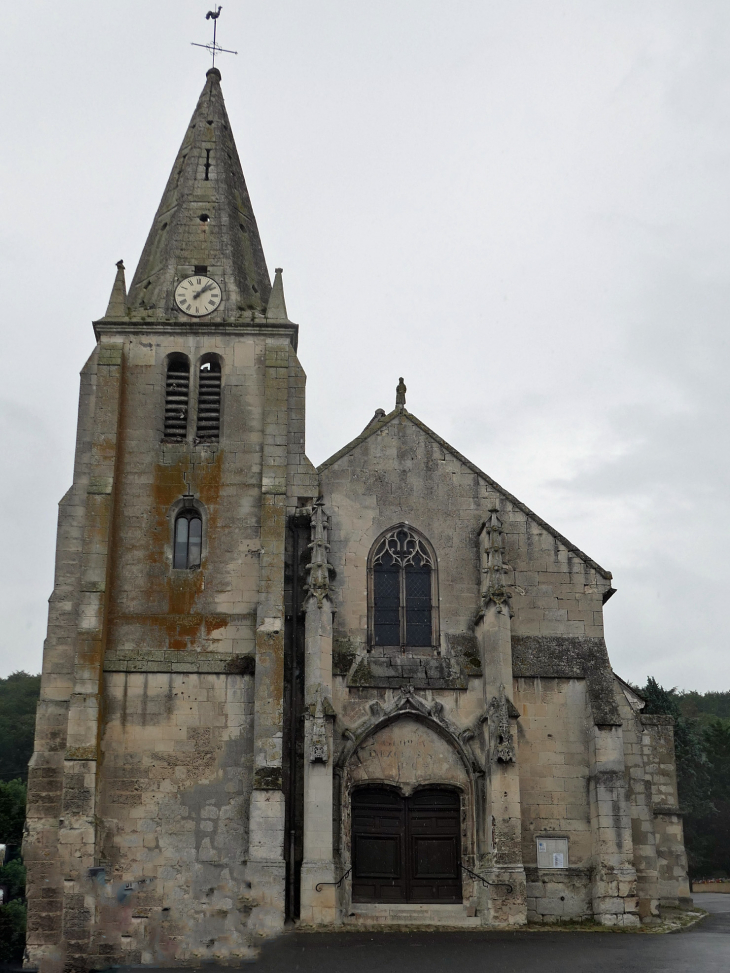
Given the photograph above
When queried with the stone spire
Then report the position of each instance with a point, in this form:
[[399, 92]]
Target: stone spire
[[276, 310], [117, 307], [206, 220]]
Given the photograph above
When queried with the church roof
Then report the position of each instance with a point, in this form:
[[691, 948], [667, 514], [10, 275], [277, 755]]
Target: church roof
[[205, 219], [380, 421]]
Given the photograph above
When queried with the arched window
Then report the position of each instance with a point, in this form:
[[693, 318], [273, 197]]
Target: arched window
[[403, 590], [209, 402], [188, 539], [177, 389]]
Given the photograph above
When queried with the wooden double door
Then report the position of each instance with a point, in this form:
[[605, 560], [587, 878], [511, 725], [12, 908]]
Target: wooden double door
[[406, 849]]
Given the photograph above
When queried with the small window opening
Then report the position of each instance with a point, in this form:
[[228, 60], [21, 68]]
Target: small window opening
[[188, 540], [243, 227], [207, 164], [203, 217], [210, 121], [177, 390], [209, 402], [201, 269], [164, 226]]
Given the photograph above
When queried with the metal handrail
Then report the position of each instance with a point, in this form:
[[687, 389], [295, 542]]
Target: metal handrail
[[318, 886], [483, 880]]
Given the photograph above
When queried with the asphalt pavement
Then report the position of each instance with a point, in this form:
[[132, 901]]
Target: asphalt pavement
[[705, 948]]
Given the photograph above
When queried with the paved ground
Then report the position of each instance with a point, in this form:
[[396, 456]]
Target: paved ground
[[702, 949]]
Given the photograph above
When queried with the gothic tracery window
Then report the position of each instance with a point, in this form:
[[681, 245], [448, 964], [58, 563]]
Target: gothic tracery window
[[403, 590]]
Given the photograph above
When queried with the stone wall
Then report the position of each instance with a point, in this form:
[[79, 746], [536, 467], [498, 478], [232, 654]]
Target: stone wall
[[661, 771], [554, 766], [177, 752]]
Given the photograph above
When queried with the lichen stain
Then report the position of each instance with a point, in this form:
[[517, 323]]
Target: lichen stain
[[180, 626]]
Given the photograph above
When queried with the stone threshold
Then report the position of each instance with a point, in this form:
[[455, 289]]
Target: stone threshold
[[454, 915]]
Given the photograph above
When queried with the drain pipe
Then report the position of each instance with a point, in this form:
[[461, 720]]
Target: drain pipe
[[291, 795]]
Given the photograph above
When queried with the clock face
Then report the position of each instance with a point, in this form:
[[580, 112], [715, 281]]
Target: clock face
[[198, 295]]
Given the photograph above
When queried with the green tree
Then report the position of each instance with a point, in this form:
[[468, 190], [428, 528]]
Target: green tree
[[12, 931], [12, 874], [713, 704], [18, 698], [12, 815], [716, 738]]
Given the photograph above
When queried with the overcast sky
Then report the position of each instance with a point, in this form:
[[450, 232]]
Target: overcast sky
[[520, 206]]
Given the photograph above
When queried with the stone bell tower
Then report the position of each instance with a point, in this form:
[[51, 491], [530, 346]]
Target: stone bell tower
[[156, 813]]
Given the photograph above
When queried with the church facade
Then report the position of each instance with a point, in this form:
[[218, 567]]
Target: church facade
[[371, 693]]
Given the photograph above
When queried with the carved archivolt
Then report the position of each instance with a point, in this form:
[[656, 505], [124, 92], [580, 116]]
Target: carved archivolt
[[407, 703]]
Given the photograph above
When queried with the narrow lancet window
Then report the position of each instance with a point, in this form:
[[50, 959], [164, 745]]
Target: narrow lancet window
[[177, 390], [209, 403], [188, 540], [403, 588]]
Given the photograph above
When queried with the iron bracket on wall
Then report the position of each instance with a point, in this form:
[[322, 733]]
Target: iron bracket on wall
[[483, 880], [318, 886]]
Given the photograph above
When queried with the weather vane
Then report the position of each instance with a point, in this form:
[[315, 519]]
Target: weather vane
[[214, 48]]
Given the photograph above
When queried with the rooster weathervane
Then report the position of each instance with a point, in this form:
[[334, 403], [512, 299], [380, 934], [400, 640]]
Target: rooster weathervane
[[214, 48]]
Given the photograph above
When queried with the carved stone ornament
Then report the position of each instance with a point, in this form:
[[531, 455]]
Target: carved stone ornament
[[319, 568], [494, 587], [503, 750], [402, 546], [408, 703], [318, 749]]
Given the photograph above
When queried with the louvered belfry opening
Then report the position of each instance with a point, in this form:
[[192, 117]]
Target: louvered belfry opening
[[209, 403], [177, 392]]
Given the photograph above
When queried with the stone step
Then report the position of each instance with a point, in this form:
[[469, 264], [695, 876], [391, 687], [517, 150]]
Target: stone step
[[411, 913]]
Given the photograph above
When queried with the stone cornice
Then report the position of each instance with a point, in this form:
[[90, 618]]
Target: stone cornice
[[106, 328]]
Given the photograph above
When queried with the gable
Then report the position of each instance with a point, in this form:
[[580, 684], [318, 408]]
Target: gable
[[379, 425]]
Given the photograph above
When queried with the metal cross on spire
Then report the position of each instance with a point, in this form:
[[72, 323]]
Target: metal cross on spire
[[214, 48]]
